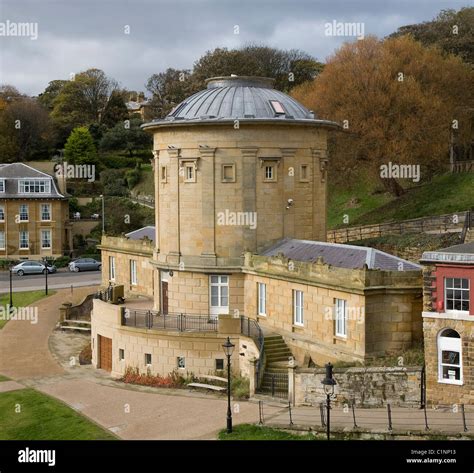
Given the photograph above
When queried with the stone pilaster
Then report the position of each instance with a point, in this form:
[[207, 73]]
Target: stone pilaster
[[249, 194]]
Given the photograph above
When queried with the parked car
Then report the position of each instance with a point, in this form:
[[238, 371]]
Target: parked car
[[85, 264], [32, 267]]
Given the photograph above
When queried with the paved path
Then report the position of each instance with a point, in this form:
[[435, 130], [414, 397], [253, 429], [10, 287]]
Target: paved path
[[24, 345], [130, 412]]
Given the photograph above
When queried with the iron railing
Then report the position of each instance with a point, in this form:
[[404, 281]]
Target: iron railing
[[250, 328], [154, 320]]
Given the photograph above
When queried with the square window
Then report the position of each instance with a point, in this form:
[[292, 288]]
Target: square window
[[228, 173], [219, 364], [147, 359], [121, 354], [456, 294], [181, 362], [269, 173]]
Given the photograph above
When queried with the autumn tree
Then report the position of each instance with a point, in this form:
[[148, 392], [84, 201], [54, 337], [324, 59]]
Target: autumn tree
[[397, 101], [451, 30]]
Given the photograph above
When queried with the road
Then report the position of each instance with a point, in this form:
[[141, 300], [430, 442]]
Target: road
[[60, 280]]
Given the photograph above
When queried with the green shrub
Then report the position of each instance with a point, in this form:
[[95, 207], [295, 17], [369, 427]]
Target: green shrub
[[240, 387], [132, 177], [62, 261]]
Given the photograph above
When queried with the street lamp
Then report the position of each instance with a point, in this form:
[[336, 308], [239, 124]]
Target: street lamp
[[228, 350], [103, 212], [329, 382], [11, 286], [46, 275]]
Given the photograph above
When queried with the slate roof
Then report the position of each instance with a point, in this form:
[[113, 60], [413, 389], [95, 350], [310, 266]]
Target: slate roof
[[462, 254], [15, 171], [248, 99], [342, 256], [148, 232]]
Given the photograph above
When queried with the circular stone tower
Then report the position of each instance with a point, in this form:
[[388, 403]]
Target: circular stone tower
[[238, 166]]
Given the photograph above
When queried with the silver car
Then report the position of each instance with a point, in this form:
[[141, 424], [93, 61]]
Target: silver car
[[85, 264], [32, 267]]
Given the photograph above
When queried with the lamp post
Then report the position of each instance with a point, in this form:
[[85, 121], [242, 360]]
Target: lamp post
[[103, 213], [46, 275], [329, 382], [228, 350], [11, 286]]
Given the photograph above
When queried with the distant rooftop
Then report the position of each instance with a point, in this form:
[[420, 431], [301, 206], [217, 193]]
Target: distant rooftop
[[462, 254], [339, 255], [141, 233], [12, 173]]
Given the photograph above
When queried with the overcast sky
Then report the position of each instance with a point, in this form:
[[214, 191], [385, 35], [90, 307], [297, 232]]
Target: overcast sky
[[74, 35]]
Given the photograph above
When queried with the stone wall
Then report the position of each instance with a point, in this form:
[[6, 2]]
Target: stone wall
[[442, 393], [124, 250], [186, 209], [200, 349], [384, 308], [368, 387], [188, 292]]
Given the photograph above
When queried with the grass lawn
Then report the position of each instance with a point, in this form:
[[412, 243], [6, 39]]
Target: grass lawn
[[44, 418], [447, 193], [21, 299], [256, 432]]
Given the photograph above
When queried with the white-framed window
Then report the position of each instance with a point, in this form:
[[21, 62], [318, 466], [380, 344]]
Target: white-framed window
[[2, 185], [181, 362], [148, 359], [133, 272], [24, 214], [2, 213], [269, 172], [112, 268], [449, 357], [340, 313], [24, 240], [2, 240], [45, 239], [34, 186], [298, 313], [45, 212], [121, 354], [456, 294], [189, 172], [219, 294], [262, 298]]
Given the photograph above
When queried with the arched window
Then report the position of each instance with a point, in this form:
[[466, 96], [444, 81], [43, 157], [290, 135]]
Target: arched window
[[449, 357]]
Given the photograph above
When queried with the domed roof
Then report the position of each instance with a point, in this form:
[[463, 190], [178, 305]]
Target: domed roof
[[243, 98]]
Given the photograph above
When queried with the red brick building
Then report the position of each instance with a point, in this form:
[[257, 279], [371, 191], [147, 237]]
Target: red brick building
[[448, 324]]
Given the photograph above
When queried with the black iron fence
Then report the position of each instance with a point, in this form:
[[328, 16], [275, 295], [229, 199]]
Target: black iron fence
[[154, 320], [448, 419], [250, 328]]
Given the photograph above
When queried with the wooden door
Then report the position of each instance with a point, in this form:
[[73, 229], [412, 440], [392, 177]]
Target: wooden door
[[105, 353]]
